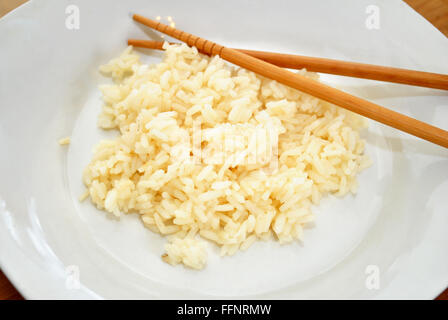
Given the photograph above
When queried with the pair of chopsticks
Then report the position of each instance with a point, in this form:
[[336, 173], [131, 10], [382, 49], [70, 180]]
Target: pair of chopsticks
[[271, 65]]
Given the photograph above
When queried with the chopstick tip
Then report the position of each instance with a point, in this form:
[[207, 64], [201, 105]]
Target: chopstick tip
[[135, 16]]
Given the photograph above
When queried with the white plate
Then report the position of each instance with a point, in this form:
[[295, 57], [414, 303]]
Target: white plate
[[394, 228]]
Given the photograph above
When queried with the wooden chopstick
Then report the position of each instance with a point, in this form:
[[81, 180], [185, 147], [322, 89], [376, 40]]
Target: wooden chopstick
[[312, 87], [337, 67]]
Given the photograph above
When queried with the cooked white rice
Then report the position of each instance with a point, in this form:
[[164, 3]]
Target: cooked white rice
[[64, 141], [211, 152]]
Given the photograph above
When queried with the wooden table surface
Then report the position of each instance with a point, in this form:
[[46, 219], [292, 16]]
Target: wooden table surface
[[435, 11]]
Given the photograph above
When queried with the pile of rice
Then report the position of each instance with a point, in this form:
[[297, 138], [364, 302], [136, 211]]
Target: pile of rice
[[212, 152]]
